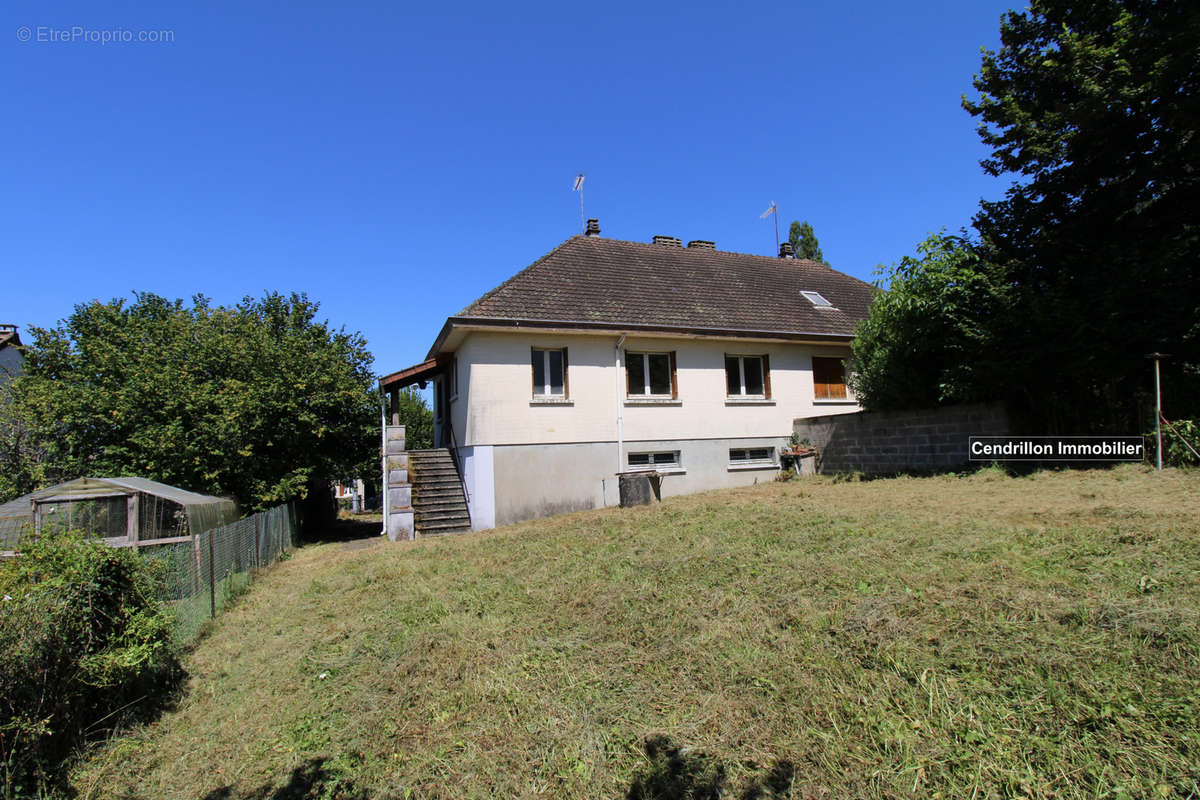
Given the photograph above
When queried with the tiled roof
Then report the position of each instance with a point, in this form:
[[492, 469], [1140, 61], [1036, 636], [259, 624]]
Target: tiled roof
[[8, 337], [607, 282]]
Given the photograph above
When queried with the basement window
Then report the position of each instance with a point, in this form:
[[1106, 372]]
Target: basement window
[[666, 460], [817, 300], [549, 372], [756, 456]]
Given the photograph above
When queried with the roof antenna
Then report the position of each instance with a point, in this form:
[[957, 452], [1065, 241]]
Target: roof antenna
[[774, 209], [578, 187]]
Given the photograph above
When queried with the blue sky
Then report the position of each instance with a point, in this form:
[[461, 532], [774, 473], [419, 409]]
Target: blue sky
[[395, 162]]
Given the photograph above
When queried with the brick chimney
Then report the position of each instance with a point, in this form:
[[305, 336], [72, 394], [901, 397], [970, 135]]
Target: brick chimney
[[668, 241], [785, 250], [593, 228], [701, 244]]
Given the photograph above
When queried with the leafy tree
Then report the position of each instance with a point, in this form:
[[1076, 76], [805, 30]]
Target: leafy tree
[[417, 418], [1093, 107], [260, 401], [1094, 249], [932, 339], [804, 242]]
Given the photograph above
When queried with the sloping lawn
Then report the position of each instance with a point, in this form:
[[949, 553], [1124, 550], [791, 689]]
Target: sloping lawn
[[973, 637]]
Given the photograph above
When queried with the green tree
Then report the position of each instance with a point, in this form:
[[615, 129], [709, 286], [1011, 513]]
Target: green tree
[[1094, 250], [1093, 106], [260, 401], [417, 419], [804, 242], [931, 339]]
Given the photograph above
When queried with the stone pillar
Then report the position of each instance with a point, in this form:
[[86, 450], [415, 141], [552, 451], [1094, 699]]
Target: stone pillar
[[399, 519]]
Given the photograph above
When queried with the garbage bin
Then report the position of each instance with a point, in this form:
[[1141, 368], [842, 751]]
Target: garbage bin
[[639, 488]]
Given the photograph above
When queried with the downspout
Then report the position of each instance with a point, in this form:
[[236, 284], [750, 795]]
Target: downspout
[[383, 459], [620, 404]]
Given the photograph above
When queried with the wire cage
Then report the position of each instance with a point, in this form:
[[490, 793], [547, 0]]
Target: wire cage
[[125, 512]]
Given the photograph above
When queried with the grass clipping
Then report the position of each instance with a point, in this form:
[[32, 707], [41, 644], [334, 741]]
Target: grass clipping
[[954, 637]]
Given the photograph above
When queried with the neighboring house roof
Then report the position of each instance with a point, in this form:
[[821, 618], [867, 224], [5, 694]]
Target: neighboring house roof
[[592, 282], [8, 336]]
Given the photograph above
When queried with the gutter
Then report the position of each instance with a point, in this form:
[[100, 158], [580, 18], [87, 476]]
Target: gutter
[[625, 327], [620, 404]]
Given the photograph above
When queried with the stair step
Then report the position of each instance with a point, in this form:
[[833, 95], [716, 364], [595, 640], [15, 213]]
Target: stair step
[[438, 492], [436, 530], [438, 503], [423, 521]]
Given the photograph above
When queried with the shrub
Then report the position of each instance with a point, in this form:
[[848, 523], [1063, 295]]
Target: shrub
[[85, 646]]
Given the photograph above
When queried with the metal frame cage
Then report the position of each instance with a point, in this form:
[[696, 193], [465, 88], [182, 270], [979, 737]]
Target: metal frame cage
[[125, 512]]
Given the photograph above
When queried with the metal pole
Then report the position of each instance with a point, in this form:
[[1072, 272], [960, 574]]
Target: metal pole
[[1158, 411], [212, 577]]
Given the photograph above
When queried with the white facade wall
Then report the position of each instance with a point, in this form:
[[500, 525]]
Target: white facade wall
[[524, 457], [496, 406]]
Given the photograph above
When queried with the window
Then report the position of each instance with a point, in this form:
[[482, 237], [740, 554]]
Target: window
[[653, 460], [549, 372], [650, 375], [817, 300], [829, 378], [747, 376], [752, 455]]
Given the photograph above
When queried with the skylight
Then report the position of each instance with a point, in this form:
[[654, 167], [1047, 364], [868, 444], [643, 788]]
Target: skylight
[[817, 300]]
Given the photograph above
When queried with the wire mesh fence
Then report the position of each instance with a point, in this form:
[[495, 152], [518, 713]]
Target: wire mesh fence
[[202, 575]]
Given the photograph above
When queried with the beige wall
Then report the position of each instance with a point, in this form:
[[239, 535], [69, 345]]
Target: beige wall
[[495, 401]]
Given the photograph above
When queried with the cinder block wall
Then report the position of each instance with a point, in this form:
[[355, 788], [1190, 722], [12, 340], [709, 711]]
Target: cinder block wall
[[900, 441]]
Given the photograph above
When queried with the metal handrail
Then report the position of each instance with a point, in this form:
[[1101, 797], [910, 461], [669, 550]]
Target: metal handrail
[[453, 448]]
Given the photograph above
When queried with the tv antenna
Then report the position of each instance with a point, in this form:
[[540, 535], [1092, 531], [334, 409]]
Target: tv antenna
[[774, 209], [578, 187]]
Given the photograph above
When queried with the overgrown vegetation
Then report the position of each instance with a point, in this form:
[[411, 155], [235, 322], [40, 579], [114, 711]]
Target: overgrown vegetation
[[1092, 259], [260, 401], [417, 419], [984, 636], [85, 648]]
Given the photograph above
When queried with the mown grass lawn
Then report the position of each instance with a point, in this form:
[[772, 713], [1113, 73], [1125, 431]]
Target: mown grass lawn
[[956, 637]]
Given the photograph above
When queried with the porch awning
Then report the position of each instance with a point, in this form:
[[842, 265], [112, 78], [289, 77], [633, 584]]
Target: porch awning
[[418, 373]]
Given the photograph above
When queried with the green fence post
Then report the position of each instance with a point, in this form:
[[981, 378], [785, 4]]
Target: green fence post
[[212, 576]]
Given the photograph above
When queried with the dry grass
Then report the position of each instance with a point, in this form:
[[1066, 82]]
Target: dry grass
[[972, 637]]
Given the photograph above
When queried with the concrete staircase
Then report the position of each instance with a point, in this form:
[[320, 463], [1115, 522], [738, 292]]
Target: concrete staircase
[[439, 504]]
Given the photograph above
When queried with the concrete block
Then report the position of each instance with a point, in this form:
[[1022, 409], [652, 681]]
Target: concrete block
[[400, 525], [395, 446], [399, 497], [395, 432], [397, 477], [398, 461]]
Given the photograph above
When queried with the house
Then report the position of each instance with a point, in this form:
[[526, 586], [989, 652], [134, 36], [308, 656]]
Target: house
[[11, 357], [606, 356]]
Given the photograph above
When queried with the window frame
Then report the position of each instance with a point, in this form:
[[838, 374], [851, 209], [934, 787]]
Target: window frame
[[652, 465], [767, 461], [648, 395], [764, 361], [826, 395], [548, 395]]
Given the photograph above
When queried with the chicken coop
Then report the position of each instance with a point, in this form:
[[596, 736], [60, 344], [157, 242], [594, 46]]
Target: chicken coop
[[125, 512]]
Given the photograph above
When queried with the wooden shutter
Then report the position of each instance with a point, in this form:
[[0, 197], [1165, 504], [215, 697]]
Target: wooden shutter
[[829, 379], [766, 362], [674, 379]]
